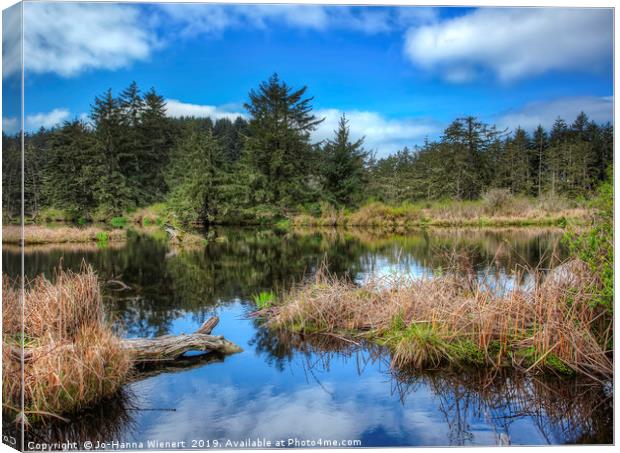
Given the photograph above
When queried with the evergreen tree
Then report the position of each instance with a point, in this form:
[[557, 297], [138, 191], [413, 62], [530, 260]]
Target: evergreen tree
[[11, 176], [344, 170], [194, 177], [513, 167], [73, 174], [278, 151], [540, 144], [156, 141], [114, 194]]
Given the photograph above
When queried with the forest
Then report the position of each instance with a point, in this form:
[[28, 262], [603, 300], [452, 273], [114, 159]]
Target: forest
[[129, 154]]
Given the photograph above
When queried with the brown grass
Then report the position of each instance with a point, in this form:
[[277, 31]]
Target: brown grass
[[73, 359], [451, 318], [514, 212], [66, 247], [36, 234]]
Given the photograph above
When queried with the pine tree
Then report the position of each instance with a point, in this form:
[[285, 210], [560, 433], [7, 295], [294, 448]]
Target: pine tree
[[344, 170], [540, 144], [11, 176], [114, 194], [278, 149], [194, 177], [513, 167], [557, 152], [131, 106], [156, 141], [73, 173]]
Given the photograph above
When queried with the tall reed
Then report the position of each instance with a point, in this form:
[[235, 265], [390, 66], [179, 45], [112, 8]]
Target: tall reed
[[455, 318]]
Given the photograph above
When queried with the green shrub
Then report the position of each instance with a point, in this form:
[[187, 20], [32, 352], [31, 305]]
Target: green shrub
[[595, 246]]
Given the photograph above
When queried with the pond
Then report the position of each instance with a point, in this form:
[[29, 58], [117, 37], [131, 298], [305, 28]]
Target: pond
[[284, 390]]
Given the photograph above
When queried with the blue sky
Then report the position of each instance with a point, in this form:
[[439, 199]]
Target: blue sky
[[400, 74]]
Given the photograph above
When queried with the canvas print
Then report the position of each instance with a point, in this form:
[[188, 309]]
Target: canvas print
[[230, 226]]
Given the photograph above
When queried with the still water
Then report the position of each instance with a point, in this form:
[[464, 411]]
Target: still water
[[305, 392]]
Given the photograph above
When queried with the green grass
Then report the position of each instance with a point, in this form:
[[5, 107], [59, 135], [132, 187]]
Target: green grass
[[264, 299], [118, 222], [103, 238], [283, 225], [555, 363], [417, 344]]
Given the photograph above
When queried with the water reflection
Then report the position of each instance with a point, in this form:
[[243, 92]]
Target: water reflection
[[238, 263], [348, 392], [291, 386]]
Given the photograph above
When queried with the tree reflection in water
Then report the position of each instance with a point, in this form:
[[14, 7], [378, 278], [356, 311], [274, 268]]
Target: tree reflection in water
[[192, 284]]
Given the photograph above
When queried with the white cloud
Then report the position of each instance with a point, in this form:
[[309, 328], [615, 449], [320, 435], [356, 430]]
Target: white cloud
[[381, 134], [306, 411], [196, 19], [11, 45], [46, 120], [513, 43], [10, 125], [69, 38], [177, 109], [599, 109]]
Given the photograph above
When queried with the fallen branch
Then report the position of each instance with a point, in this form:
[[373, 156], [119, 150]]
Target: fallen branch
[[166, 348], [172, 347]]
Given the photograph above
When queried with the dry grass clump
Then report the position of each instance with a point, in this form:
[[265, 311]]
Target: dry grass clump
[[330, 216], [36, 234], [430, 321], [66, 247], [496, 209], [72, 359]]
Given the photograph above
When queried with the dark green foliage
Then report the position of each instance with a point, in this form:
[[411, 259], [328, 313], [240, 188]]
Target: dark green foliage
[[72, 179], [119, 160], [11, 177], [472, 158], [195, 176], [155, 143], [265, 168], [278, 153], [344, 166]]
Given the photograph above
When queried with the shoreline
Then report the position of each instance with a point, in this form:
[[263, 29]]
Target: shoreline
[[67, 233]]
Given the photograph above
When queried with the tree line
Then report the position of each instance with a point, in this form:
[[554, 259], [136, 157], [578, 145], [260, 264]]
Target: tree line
[[472, 157], [130, 154]]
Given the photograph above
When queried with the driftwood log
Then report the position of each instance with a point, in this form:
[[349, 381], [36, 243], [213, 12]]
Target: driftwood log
[[160, 350], [172, 347]]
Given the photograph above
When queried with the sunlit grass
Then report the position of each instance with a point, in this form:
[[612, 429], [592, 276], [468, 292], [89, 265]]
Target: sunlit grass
[[264, 299], [38, 234], [512, 212], [454, 319], [73, 359]]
